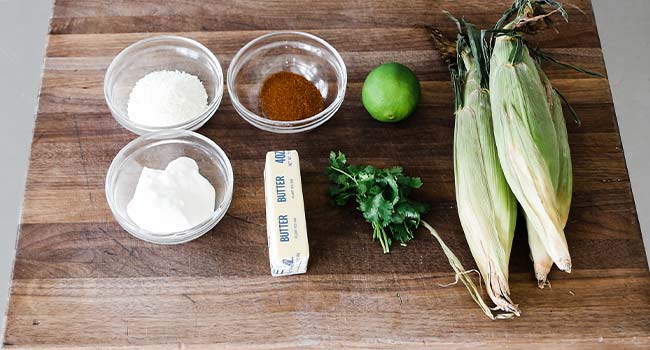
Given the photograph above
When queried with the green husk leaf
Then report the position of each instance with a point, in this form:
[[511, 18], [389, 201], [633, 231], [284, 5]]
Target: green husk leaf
[[573, 112], [544, 56]]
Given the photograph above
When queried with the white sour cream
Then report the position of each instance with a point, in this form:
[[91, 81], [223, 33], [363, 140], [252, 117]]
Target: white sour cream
[[172, 200]]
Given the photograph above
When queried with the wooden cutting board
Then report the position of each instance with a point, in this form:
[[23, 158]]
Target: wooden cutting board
[[81, 282]]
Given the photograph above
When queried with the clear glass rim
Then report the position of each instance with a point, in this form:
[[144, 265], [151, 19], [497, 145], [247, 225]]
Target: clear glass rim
[[174, 237], [278, 125], [142, 128]]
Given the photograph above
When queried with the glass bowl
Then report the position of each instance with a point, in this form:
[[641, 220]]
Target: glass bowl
[[156, 150], [165, 52], [296, 52]]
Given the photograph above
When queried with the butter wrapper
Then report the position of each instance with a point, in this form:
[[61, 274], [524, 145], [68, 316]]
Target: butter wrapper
[[285, 214]]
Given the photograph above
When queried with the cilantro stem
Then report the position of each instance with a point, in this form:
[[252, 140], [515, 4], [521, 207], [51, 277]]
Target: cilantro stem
[[380, 233], [346, 174]]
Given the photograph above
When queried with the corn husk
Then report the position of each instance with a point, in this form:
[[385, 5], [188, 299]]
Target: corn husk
[[528, 146], [486, 207], [542, 262]]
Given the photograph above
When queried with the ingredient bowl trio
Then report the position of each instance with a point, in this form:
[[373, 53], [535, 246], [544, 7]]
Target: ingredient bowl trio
[[172, 185]]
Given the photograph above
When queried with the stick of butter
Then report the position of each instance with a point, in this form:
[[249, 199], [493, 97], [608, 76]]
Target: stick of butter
[[286, 228]]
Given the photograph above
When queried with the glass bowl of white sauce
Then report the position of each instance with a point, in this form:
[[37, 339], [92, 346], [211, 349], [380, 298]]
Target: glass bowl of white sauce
[[169, 187], [163, 83]]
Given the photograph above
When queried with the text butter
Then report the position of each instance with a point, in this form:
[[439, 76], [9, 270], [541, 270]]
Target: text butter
[[286, 227]]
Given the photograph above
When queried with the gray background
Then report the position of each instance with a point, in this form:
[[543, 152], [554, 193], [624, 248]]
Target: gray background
[[23, 29], [624, 26]]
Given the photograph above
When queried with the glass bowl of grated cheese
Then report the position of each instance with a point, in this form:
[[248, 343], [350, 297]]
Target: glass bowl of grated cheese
[[172, 201], [163, 83]]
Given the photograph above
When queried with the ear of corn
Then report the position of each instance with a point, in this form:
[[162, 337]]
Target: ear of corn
[[542, 262], [528, 146], [486, 206]]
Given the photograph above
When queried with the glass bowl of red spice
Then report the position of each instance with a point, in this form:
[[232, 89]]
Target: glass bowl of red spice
[[287, 82]]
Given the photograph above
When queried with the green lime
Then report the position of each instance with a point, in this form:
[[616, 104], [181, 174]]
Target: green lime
[[391, 92]]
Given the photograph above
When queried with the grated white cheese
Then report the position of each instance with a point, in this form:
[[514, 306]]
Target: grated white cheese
[[165, 98]]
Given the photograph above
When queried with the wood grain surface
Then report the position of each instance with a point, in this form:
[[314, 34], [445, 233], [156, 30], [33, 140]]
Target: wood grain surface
[[81, 282]]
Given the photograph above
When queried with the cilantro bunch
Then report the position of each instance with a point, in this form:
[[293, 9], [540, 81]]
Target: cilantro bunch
[[382, 198]]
